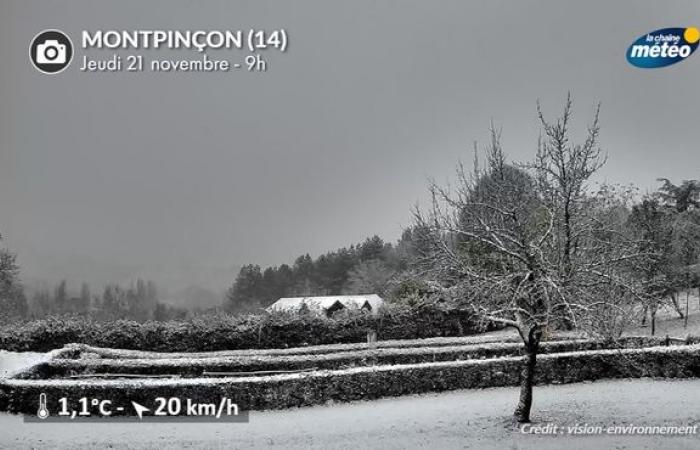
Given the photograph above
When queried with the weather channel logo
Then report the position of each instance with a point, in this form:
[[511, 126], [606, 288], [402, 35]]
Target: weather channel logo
[[663, 47]]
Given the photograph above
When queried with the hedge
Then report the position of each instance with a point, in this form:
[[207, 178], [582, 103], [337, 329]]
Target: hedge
[[75, 350], [360, 383], [227, 332], [196, 366]]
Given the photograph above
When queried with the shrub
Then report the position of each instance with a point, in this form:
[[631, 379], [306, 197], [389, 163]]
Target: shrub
[[362, 383], [226, 332], [87, 361]]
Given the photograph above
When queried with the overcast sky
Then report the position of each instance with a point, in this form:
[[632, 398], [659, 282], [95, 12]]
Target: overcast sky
[[181, 177]]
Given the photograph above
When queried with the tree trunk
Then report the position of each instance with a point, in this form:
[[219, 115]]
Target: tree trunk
[[685, 322], [644, 315], [567, 323], [527, 376], [676, 306], [653, 320]]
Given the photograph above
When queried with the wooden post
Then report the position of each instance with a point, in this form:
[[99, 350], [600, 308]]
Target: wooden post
[[372, 339]]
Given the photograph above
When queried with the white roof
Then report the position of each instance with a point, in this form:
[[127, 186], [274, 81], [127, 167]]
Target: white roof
[[291, 304]]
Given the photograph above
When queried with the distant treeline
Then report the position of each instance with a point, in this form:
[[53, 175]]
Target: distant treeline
[[666, 224], [139, 302], [369, 267]]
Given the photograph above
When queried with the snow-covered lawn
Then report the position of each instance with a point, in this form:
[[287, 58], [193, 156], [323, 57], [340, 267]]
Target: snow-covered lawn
[[476, 419], [668, 322], [11, 361]]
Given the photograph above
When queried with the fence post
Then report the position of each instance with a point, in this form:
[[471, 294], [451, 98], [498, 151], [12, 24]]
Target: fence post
[[372, 339]]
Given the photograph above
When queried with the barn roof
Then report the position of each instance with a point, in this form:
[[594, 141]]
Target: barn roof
[[293, 304]]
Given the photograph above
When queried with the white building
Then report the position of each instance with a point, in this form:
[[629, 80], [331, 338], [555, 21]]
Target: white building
[[329, 304]]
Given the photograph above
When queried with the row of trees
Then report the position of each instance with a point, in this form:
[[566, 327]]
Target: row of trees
[[367, 267], [668, 224], [139, 301]]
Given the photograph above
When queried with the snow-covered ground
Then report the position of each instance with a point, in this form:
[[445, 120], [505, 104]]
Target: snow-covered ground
[[12, 361], [478, 419], [668, 321]]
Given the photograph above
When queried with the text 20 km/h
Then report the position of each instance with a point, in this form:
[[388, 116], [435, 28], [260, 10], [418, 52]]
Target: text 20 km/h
[[174, 406]]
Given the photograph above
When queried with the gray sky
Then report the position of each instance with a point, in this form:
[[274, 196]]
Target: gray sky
[[181, 177]]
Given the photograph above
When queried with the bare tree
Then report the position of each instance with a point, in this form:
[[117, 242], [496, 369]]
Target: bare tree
[[681, 209], [13, 303], [369, 277], [651, 223], [685, 253], [563, 170], [530, 247]]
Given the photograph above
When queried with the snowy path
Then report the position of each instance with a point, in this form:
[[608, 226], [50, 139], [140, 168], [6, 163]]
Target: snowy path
[[476, 419]]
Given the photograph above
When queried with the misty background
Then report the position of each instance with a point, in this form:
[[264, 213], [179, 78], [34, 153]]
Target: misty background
[[182, 178]]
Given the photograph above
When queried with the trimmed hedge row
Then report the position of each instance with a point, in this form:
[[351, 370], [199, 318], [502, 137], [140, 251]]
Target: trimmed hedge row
[[226, 332], [76, 350], [194, 367], [361, 383]]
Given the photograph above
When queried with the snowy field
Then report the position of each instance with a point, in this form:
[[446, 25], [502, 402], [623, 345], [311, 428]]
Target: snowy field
[[11, 361], [477, 419], [668, 321]]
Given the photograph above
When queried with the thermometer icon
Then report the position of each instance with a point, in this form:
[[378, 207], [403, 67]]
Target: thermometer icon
[[43, 411]]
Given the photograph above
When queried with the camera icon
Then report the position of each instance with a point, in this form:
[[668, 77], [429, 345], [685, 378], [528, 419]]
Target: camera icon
[[51, 52]]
